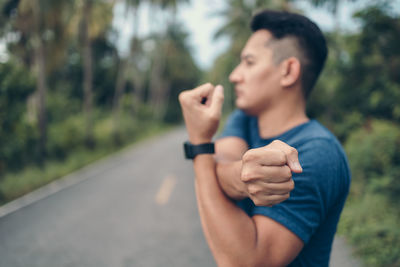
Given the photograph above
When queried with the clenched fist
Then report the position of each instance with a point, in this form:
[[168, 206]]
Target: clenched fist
[[201, 108], [267, 173]]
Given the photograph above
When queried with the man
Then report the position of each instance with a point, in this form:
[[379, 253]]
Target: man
[[269, 150]]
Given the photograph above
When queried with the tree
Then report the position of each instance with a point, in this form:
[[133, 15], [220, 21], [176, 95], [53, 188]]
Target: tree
[[127, 66], [95, 17], [159, 88], [36, 24], [16, 134], [373, 50]]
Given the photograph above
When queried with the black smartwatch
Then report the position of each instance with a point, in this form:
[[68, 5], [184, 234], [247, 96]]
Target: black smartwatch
[[191, 151]]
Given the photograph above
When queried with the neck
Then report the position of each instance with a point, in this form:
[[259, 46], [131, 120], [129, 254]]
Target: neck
[[281, 118]]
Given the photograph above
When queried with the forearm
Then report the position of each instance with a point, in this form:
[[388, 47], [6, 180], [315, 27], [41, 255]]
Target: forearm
[[228, 175], [230, 233]]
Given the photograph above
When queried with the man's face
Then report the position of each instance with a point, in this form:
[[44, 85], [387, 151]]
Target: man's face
[[256, 78]]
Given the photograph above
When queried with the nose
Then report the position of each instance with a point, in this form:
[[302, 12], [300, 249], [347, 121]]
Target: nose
[[235, 76]]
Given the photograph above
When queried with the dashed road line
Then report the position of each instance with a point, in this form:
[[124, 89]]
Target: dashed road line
[[165, 190]]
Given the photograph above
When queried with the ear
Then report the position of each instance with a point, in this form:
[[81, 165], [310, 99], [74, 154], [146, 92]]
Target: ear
[[290, 72]]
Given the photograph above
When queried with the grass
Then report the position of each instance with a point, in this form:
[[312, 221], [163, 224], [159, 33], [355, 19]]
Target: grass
[[371, 224]]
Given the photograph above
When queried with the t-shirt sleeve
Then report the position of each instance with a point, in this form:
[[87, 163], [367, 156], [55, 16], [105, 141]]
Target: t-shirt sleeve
[[316, 189], [236, 125]]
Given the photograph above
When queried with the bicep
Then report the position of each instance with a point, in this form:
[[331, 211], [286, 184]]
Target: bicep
[[230, 148], [276, 244]]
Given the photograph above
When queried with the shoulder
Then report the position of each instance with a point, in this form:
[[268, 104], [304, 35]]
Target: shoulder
[[236, 125], [326, 172], [237, 114], [325, 168], [319, 148]]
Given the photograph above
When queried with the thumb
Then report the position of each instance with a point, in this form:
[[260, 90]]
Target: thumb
[[217, 100], [294, 163], [292, 155]]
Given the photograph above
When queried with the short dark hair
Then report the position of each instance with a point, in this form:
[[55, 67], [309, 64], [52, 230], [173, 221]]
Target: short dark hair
[[310, 41]]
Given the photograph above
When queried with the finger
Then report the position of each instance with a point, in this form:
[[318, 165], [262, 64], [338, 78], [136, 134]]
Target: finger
[[251, 173], [203, 92], [278, 188], [268, 200], [292, 156], [266, 155], [266, 189], [217, 100]]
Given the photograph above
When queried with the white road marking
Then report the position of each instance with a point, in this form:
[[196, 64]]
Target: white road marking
[[165, 190]]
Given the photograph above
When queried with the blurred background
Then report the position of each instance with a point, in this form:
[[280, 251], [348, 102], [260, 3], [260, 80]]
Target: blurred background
[[80, 79]]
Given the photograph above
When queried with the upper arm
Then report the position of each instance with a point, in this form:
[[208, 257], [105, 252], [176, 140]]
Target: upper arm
[[230, 148], [233, 142], [276, 245]]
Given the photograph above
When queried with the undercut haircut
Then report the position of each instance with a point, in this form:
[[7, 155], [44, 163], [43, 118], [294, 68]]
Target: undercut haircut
[[295, 35]]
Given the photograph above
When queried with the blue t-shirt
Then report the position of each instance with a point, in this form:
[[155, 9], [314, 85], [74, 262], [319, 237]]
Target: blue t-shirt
[[313, 209]]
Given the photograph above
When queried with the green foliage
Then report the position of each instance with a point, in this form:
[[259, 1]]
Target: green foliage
[[370, 218], [371, 223], [373, 66], [374, 151], [58, 109], [68, 153], [17, 135], [66, 136], [57, 25], [181, 71]]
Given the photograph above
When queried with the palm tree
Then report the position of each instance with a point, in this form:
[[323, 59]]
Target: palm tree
[[94, 17], [126, 66], [41, 82], [35, 22], [159, 88], [87, 70]]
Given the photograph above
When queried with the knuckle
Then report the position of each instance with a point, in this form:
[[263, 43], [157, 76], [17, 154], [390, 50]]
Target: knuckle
[[248, 156], [291, 185], [245, 176], [182, 97], [253, 190], [213, 117], [287, 172], [281, 157], [293, 151], [277, 142]]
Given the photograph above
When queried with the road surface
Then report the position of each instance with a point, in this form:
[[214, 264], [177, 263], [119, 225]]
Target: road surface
[[135, 208]]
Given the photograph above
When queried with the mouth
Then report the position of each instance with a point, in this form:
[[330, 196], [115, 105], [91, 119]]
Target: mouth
[[238, 92]]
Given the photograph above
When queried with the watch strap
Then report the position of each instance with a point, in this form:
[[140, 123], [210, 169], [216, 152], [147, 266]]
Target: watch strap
[[191, 151]]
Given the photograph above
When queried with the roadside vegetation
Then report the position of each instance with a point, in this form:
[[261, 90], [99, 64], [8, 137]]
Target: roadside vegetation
[[69, 95]]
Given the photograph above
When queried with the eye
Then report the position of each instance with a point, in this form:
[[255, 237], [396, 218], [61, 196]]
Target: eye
[[249, 62]]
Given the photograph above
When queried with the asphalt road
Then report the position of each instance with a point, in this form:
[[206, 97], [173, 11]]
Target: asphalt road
[[136, 208]]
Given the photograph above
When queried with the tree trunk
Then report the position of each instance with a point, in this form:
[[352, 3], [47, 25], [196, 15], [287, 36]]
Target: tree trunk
[[137, 79], [159, 88], [119, 91], [41, 82], [137, 92], [157, 84], [87, 73], [124, 68]]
